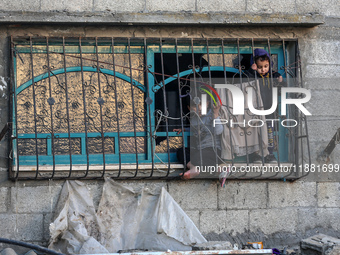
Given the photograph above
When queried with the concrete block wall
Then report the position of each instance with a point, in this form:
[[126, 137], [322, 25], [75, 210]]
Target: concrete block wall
[[276, 212], [27, 211], [272, 211], [329, 7]]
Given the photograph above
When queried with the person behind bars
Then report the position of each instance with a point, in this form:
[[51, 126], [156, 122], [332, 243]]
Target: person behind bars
[[261, 67], [205, 140]]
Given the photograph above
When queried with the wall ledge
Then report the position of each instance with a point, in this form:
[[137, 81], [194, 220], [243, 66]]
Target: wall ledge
[[163, 18]]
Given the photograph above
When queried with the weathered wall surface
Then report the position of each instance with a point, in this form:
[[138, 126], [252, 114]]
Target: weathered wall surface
[[276, 212], [328, 8]]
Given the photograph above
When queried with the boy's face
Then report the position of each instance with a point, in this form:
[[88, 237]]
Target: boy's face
[[194, 108], [197, 108], [262, 66]]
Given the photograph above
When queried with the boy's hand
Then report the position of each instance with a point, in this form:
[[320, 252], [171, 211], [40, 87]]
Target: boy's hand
[[178, 130], [280, 79], [254, 67], [216, 110]]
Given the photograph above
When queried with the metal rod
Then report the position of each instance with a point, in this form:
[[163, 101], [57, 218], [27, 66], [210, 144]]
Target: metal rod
[[150, 136], [211, 104], [258, 103], [100, 108], [116, 106], [51, 105], [35, 112], [84, 106], [195, 94], [275, 124], [165, 107], [67, 110], [13, 103], [180, 105], [240, 71], [303, 118], [30, 246], [228, 106], [133, 109]]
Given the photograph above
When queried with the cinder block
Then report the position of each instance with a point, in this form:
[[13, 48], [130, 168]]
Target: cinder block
[[119, 6], [317, 71], [329, 194], [267, 6], [243, 195], [331, 83], [3, 199], [323, 102], [20, 5], [194, 195], [221, 5], [237, 222], [328, 8], [41, 199], [213, 221], [323, 52], [71, 6], [78, 5], [271, 221], [284, 194], [194, 216], [259, 6], [311, 218], [170, 6], [22, 227], [320, 130]]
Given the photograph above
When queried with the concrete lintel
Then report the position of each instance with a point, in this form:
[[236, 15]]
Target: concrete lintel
[[163, 18]]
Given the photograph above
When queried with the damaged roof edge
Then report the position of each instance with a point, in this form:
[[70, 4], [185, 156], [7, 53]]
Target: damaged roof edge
[[163, 18]]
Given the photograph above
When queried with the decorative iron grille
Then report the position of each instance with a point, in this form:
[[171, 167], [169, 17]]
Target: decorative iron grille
[[95, 107]]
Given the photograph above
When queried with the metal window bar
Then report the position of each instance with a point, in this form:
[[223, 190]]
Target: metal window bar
[[196, 105], [67, 109], [34, 112], [211, 103], [116, 106], [51, 104], [116, 130], [165, 106], [148, 101], [227, 102], [180, 105], [257, 99], [84, 106]]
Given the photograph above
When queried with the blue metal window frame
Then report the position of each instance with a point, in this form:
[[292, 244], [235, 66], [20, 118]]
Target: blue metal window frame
[[152, 49], [274, 50]]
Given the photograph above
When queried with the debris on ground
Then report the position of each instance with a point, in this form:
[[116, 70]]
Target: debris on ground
[[334, 251], [319, 244], [213, 245]]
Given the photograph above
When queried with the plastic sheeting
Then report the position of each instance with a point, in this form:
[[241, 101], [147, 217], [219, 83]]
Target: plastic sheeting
[[127, 218]]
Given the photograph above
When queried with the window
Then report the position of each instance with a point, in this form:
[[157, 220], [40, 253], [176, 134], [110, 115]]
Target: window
[[87, 107]]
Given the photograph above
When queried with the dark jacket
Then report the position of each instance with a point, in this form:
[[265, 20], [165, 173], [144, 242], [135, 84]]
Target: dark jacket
[[266, 84]]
